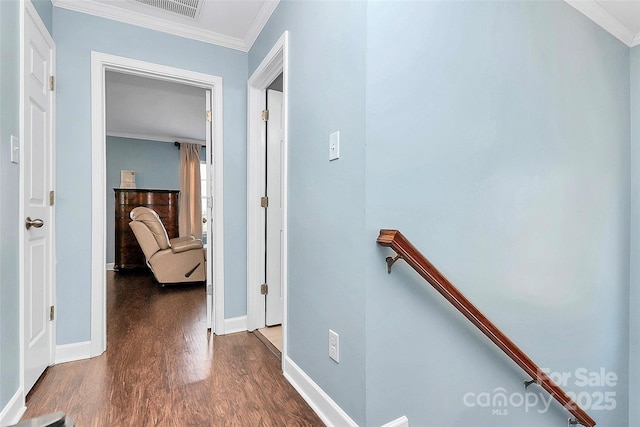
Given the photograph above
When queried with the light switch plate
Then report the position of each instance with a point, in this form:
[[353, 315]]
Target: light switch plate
[[15, 149], [334, 346], [334, 146]]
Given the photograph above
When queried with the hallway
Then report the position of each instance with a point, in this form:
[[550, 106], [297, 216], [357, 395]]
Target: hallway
[[160, 369]]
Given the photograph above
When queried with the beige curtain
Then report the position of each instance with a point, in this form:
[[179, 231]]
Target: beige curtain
[[190, 218]]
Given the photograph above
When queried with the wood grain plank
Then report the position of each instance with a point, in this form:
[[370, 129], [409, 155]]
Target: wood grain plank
[[162, 368]]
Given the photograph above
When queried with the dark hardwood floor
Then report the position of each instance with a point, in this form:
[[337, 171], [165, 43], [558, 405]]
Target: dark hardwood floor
[[162, 368]]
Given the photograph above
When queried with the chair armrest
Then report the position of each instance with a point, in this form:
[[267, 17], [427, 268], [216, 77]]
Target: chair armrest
[[185, 245], [177, 240]]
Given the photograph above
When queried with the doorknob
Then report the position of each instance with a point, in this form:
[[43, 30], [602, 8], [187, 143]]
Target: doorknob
[[37, 223], [204, 220]]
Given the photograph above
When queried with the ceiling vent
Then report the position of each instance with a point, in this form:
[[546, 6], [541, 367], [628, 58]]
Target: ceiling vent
[[189, 8]]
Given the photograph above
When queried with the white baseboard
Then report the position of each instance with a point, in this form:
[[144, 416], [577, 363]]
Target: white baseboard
[[328, 410], [403, 421], [110, 266], [71, 352], [14, 410], [235, 324]]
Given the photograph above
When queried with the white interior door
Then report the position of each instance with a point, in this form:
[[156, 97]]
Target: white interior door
[[37, 179], [209, 215], [274, 223]]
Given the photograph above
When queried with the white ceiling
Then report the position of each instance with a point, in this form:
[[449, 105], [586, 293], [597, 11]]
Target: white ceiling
[[619, 17], [155, 110], [229, 23]]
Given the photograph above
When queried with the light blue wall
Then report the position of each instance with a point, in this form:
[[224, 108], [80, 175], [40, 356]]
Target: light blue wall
[[496, 137], [45, 11], [498, 142], [326, 199], [9, 198], [634, 288], [76, 35], [156, 164]]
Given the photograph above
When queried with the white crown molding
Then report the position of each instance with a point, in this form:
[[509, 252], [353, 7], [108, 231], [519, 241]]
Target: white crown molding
[[107, 11], [157, 138], [608, 22], [267, 9]]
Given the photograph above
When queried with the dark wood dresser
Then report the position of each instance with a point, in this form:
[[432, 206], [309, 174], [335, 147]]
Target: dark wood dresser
[[164, 202]]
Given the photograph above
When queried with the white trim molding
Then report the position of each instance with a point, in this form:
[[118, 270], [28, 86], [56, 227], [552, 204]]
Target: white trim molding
[[403, 421], [608, 22], [108, 11], [235, 324], [328, 410], [100, 63], [14, 409], [267, 9], [157, 138], [72, 352]]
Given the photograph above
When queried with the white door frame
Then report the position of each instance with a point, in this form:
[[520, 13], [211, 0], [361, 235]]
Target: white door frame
[[100, 63], [274, 63], [27, 8]]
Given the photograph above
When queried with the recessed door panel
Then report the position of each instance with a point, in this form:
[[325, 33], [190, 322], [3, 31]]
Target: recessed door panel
[[37, 178]]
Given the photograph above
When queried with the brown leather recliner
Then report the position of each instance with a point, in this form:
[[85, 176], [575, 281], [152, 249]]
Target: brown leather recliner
[[179, 260]]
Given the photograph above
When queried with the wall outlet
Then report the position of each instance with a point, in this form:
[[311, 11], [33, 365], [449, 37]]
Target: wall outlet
[[334, 346]]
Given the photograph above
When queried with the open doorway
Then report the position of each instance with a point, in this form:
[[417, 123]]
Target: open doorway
[[267, 194], [101, 63], [273, 292], [144, 116]]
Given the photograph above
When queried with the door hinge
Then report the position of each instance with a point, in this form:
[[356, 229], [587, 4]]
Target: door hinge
[[52, 83], [52, 197], [209, 116], [264, 202], [265, 115], [51, 313], [264, 289]]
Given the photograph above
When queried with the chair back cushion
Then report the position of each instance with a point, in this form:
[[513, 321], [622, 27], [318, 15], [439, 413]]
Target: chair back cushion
[[145, 238], [150, 218]]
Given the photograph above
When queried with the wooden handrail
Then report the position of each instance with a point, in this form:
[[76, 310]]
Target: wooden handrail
[[396, 241]]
